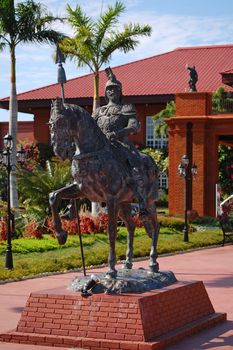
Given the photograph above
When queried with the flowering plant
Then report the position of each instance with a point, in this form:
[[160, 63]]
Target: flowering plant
[[3, 229], [32, 229], [227, 209]]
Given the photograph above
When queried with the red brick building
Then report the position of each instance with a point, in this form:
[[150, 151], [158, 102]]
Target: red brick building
[[25, 131], [149, 84]]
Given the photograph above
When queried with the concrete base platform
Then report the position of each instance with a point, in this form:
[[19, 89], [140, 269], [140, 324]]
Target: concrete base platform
[[143, 321]]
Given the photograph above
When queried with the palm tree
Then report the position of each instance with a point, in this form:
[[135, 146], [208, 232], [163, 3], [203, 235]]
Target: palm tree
[[95, 41], [25, 22]]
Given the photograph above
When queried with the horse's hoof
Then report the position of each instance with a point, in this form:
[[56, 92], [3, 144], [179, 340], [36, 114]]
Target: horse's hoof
[[111, 274], [154, 267], [61, 237], [127, 265]]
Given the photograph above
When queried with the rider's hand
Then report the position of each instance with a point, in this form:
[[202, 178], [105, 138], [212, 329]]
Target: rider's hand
[[111, 136]]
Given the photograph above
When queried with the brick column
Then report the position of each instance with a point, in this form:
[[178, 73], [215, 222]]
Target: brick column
[[193, 104], [202, 149], [211, 172], [199, 158], [177, 148]]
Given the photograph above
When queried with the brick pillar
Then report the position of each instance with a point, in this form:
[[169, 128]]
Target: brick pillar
[[193, 104], [177, 148], [199, 158], [172, 165], [211, 172], [201, 146], [205, 155]]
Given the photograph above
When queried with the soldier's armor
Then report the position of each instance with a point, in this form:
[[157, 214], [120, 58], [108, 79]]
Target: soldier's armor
[[117, 122], [116, 118]]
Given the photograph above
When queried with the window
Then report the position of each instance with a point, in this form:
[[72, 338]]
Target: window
[[163, 181], [157, 143], [152, 140]]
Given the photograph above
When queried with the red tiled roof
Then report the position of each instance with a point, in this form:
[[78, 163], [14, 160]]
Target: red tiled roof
[[156, 75]]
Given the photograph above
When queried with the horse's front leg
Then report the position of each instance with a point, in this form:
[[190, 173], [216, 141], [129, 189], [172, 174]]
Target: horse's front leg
[[112, 232], [125, 215], [68, 192]]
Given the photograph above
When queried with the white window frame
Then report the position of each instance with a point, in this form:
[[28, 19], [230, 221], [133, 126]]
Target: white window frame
[[156, 142], [163, 180], [152, 140]]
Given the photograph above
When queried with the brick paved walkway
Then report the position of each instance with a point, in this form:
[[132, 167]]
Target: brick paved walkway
[[212, 266]]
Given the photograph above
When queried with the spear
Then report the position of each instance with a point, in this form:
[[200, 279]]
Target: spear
[[61, 74], [61, 78]]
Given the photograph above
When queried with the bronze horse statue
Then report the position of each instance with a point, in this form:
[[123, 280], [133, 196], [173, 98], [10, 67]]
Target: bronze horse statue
[[101, 177]]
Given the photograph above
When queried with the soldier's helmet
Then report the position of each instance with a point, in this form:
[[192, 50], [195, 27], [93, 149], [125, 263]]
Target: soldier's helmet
[[112, 81]]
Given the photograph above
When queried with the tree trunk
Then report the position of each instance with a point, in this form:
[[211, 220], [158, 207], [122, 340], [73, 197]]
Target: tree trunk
[[13, 111], [96, 98], [95, 206]]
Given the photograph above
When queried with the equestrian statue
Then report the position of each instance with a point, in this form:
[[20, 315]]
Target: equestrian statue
[[106, 167]]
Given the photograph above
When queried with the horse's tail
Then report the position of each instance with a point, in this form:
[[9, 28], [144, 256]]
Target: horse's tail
[[152, 171]]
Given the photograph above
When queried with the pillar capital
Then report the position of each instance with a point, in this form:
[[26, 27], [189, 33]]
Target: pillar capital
[[193, 104]]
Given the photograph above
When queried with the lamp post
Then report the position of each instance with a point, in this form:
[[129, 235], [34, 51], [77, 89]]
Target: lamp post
[[5, 160], [183, 171]]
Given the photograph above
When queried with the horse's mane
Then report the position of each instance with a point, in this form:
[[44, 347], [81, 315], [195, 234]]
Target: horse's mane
[[77, 110]]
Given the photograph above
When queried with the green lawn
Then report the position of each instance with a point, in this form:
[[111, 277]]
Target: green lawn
[[32, 256]]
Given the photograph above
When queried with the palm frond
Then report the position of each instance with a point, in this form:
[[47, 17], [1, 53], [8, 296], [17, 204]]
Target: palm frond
[[77, 52], [2, 44], [77, 18], [34, 23], [125, 40], [7, 18], [107, 21]]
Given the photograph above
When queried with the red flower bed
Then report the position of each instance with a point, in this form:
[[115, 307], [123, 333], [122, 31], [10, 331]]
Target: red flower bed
[[3, 229], [33, 230]]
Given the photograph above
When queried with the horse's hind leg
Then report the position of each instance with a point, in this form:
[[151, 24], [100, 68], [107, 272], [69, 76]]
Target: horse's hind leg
[[125, 215], [152, 228], [112, 231], [68, 192]]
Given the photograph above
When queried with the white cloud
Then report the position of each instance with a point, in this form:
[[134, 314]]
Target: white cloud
[[170, 32], [35, 66]]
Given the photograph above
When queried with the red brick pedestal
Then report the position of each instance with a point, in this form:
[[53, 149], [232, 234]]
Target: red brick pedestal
[[144, 321]]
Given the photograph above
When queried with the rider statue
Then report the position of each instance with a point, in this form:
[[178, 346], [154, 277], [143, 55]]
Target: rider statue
[[118, 121], [193, 77]]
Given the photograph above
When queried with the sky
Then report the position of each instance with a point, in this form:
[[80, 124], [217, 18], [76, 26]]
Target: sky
[[179, 23]]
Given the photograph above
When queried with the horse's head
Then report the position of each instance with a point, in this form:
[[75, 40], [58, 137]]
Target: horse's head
[[61, 131], [72, 128]]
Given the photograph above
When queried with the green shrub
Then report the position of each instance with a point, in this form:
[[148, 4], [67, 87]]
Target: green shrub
[[171, 222], [35, 185], [163, 200], [206, 220]]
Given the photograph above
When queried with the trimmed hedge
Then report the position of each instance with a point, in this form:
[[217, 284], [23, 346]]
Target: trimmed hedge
[[171, 222]]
